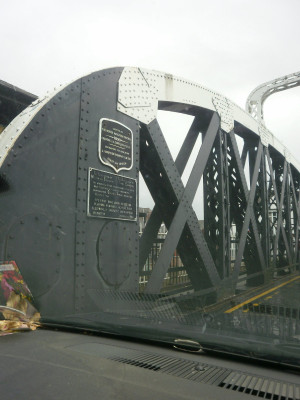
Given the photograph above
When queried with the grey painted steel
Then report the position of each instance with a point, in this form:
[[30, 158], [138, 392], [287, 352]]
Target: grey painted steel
[[279, 206], [184, 214], [43, 200], [258, 96], [216, 207], [155, 220], [248, 196], [141, 91], [45, 156], [244, 154], [249, 211], [167, 189]]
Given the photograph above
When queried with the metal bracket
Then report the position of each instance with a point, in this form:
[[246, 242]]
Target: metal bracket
[[265, 135], [224, 108], [138, 95]]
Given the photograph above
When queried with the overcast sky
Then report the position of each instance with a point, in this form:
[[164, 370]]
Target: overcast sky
[[230, 46]]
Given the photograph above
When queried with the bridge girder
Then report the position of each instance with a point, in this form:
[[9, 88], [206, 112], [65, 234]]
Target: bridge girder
[[50, 151]]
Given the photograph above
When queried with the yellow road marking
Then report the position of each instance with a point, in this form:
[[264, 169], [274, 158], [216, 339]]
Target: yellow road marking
[[260, 295]]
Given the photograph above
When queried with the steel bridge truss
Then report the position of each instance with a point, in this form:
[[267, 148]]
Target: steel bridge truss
[[264, 213], [250, 191]]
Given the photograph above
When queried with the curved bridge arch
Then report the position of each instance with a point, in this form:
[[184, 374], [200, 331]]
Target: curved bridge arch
[[259, 95], [51, 171]]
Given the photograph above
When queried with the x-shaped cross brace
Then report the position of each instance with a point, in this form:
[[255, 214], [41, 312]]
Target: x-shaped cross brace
[[279, 204], [249, 215], [296, 210], [184, 213], [152, 227]]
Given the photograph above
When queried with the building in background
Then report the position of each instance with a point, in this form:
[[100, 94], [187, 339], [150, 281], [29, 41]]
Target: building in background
[[13, 100]]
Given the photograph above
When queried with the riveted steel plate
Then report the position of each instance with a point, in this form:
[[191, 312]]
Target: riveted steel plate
[[224, 108], [115, 252], [36, 234], [69, 193], [265, 135]]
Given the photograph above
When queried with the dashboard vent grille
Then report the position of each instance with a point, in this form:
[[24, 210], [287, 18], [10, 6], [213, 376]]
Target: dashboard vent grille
[[258, 386], [177, 367], [261, 387], [136, 363]]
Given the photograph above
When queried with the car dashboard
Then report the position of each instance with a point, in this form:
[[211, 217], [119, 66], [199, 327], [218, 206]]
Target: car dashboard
[[60, 364]]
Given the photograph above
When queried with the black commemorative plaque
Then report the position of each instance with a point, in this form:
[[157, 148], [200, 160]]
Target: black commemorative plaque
[[111, 196], [115, 144]]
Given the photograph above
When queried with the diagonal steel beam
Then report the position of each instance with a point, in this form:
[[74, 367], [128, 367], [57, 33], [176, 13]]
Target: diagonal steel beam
[[149, 235], [167, 198], [216, 208], [246, 194], [188, 145], [239, 164], [249, 211], [279, 204], [266, 220], [186, 215], [297, 226], [293, 189], [155, 220], [279, 219], [244, 153], [226, 206], [296, 215], [288, 228]]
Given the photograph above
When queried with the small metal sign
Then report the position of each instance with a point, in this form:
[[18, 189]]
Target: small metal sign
[[111, 196], [115, 144]]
